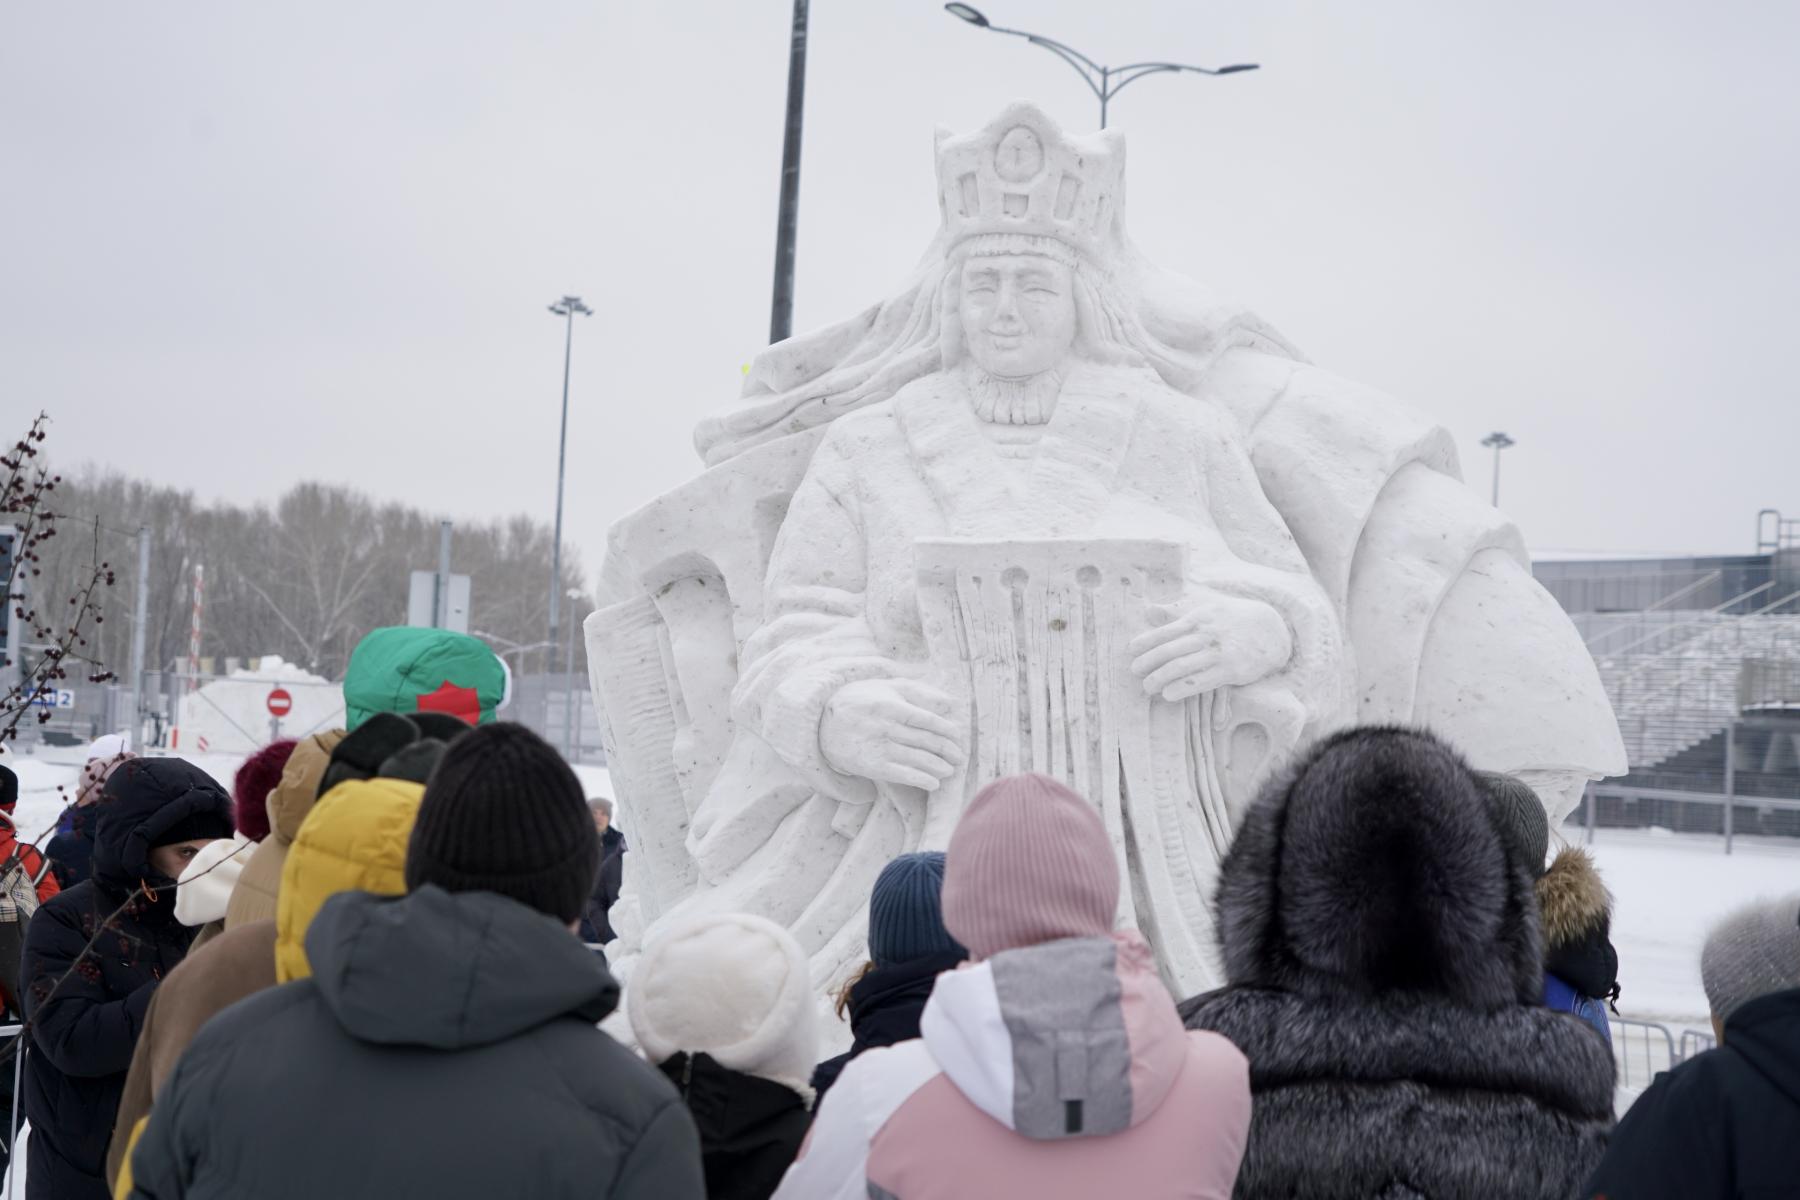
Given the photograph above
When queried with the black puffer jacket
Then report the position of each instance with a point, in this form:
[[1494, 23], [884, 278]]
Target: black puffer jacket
[[444, 1047], [86, 1008], [750, 1128], [885, 1006], [1385, 972], [1724, 1124]]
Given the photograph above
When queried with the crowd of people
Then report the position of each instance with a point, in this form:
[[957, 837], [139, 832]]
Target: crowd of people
[[371, 968]]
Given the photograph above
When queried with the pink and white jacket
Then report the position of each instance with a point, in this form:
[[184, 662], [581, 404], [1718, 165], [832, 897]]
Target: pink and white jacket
[[1058, 1070]]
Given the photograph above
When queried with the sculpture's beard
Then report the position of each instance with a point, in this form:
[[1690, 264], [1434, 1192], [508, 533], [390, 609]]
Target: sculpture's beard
[[1013, 401]]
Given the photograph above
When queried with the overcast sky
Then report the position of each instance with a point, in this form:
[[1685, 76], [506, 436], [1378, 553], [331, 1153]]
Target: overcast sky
[[251, 244]]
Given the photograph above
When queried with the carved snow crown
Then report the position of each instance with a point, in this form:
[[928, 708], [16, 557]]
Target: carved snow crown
[[1022, 176]]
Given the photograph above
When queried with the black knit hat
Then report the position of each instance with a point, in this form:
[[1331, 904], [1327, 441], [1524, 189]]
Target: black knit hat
[[503, 813]]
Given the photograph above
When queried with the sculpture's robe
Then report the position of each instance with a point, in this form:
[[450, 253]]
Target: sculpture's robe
[[1428, 588]]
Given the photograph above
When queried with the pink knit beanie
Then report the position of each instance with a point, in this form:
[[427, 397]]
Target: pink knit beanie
[[1029, 862]]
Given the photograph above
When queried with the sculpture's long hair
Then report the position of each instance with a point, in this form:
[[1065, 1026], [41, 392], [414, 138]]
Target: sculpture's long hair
[[1130, 313]]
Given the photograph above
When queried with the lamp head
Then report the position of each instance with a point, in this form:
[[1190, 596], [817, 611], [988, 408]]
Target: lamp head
[[967, 12]]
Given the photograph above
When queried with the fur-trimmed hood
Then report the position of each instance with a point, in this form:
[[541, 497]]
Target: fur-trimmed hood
[[1572, 899], [1372, 866], [1385, 977], [1577, 917]]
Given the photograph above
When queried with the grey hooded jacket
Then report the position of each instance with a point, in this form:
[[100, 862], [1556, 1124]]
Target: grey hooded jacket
[[445, 1047]]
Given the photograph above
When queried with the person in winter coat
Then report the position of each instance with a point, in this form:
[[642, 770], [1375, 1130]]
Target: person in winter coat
[[1580, 966], [25, 878], [16, 851], [444, 1044], [288, 802], [908, 949], [1052, 1065], [93, 957], [1385, 977], [595, 925], [723, 1005], [354, 839], [251, 786], [1726, 1123], [203, 892], [71, 850]]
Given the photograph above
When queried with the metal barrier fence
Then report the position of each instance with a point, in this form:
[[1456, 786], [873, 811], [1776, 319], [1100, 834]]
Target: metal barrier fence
[[1644, 1049]]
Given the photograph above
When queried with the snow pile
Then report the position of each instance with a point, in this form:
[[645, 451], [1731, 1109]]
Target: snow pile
[[231, 715]]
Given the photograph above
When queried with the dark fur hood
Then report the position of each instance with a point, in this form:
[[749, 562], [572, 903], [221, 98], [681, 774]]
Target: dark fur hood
[[1386, 986], [1374, 866]]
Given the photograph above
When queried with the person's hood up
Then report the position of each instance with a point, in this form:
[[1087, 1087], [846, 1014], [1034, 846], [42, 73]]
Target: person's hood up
[[204, 888], [1373, 865], [9, 790], [354, 839], [1766, 1032], [1572, 898], [1576, 910], [291, 799], [1073, 1038], [144, 799], [450, 971], [734, 986]]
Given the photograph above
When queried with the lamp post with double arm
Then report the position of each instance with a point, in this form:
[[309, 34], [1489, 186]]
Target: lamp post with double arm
[[1106, 82]]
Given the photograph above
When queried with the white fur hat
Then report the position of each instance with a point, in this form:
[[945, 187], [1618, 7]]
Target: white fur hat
[[732, 986]]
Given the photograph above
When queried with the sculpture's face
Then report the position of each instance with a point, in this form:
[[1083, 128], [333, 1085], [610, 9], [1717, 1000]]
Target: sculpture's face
[[1018, 313]]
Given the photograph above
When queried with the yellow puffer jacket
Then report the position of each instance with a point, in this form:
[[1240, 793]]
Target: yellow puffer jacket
[[354, 840]]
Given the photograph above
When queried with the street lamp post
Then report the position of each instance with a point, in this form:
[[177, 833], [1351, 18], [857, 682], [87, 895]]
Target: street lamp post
[[1499, 441], [565, 308], [569, 689], [1106, 82], [787, 218]]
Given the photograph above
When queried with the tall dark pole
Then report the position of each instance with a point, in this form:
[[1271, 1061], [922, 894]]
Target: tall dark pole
[[781, 312], [566, 308]]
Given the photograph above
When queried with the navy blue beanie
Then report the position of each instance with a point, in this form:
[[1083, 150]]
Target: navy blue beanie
[[906, 915]]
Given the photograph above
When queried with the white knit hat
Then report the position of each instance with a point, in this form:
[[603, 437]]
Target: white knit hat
[[732, 986]]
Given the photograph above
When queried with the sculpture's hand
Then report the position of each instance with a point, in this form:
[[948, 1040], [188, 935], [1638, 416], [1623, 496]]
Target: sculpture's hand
[[1210, 642], [892, 731]]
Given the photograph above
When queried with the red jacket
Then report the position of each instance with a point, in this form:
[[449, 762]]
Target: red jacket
[[28, 856]]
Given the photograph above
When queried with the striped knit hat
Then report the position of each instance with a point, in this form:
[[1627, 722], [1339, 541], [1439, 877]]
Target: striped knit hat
[[1029, 862]]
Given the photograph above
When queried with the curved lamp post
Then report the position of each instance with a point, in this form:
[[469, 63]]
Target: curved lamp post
[[1499, 441], [1105, 82]]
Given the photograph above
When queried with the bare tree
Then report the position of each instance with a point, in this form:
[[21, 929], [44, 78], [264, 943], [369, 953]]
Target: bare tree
[[305, 577], [58, 632]]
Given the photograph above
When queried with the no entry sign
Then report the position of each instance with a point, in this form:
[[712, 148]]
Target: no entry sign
[[280, 703]]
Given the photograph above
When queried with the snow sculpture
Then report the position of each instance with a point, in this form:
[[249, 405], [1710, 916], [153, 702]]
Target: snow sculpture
[[1048, 508]]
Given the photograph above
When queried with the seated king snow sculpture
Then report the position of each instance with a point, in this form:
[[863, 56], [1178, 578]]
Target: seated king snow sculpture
[[1049, 508]]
